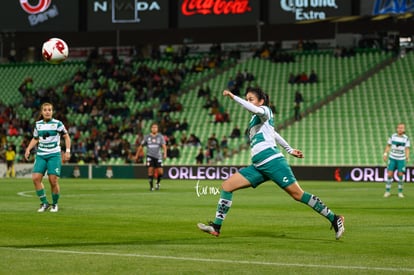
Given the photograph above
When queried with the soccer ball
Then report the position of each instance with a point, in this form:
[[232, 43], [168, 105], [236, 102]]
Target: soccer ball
[[55, 51]]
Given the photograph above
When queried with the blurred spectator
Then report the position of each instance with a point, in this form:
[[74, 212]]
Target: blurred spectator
[[183, 139], [224, 143], [26, 88], [200, 156], [193, 140], [248, 76], [12, 130], [292, 78], [212, 146], [303, 78], [173, 151], [313, 77], [231, 84], [204, 91], [298, 101], [221, 116], [184, 125], [235, 133]]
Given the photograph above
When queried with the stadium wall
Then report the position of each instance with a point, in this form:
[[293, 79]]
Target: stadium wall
[[328, 173]]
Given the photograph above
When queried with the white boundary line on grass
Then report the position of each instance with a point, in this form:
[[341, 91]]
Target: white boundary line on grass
[[24, 193], [343, 267]]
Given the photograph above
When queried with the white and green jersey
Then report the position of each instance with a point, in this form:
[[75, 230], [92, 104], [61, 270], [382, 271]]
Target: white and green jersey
[[48, 133], [261, 133], [398, 145]]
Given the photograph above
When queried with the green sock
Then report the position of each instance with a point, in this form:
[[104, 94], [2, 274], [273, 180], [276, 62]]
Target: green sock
[[42, 196], [55, 198], [317, 205], [388, 185], [400, 184], [223, 206]]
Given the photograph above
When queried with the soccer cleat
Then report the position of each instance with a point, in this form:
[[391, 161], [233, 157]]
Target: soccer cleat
[[210, 228], [157, 186], [338, 225], [43, 207], [152, 189], [400, 195], [54, 208], [387, 194]]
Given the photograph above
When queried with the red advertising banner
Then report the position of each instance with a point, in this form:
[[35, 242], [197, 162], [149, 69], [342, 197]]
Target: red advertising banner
[[217, 13], [39, 15]]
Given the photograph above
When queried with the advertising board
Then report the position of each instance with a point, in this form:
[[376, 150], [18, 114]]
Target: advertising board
[[127, 15], [292, 11], [218, 13], [39, 15]]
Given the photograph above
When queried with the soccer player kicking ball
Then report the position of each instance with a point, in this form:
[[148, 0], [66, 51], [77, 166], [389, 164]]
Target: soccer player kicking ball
[[268, 163]]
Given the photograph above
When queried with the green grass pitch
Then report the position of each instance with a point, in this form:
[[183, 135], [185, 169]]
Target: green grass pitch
[[120, 227]]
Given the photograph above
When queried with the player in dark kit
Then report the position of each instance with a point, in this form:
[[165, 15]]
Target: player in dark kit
[[156, 152]]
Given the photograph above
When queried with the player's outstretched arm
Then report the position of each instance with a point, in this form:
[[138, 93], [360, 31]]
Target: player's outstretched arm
[[244, 103], [282, 142]]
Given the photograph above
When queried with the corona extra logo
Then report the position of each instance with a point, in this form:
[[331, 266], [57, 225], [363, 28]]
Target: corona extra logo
[[291, 5], [41, 6], [216, 7], [306, 9]]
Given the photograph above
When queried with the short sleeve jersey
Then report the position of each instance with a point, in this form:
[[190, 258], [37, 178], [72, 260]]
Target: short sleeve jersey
[[398, 145], [48, 133], [154, 145]]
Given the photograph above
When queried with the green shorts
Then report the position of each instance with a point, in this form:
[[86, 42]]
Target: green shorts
[[396, 164], [277, 170], [51, 163]]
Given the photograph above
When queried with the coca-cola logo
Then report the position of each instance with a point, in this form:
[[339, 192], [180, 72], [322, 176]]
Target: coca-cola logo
[[41, 6], [216, 7]]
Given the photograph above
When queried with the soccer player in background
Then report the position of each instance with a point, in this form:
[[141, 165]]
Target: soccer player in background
[[398, 148], [268, 163], [46, 135], [156, 152]]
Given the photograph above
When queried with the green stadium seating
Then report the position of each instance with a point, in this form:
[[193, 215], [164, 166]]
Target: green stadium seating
[[353, 129], [333, 73], [44, 75]]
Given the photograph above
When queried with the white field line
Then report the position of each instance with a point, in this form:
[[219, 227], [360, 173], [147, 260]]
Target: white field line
[[112, 254], [26, 193]]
